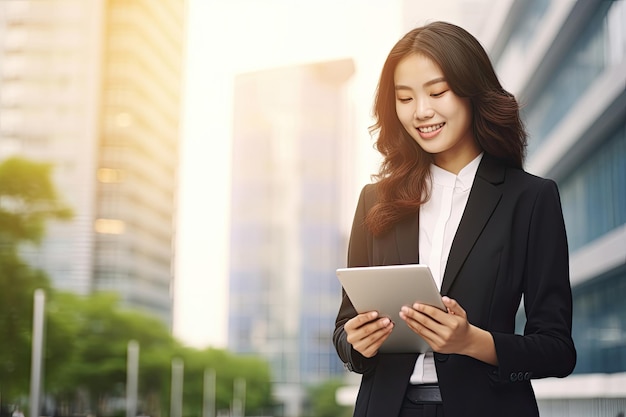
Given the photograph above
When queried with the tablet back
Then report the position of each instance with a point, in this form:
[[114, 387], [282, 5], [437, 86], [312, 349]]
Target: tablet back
[[386, 289]]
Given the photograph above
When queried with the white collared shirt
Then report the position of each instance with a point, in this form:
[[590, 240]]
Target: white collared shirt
[[439, 220]]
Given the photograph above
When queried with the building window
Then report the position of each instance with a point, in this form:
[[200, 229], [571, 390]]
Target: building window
[[528, 24], [594, 194], [593, 52], [599, 329], [110, 175], [110, 226]]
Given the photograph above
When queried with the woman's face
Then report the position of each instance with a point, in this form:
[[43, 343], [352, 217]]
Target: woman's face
[[438, 120]]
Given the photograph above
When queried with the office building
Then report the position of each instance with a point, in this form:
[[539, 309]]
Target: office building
[[93, 86], [566, 63], [290, 161]]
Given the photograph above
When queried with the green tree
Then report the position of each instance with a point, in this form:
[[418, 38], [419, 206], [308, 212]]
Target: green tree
[[28, 200], [323, 403], [87, 336], [100, 330], [228, 367], [17, 285], [63, 311]]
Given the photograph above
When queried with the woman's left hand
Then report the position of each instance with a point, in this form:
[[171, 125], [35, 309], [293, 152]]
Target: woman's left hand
[[450, 332]]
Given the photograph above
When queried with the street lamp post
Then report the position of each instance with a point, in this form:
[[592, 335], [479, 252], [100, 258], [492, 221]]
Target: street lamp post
[[37, 349], [132, 376]]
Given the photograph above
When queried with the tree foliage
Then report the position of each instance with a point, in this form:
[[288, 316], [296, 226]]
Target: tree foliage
[[323, 402], [86, 337], [18, 283], [101, 330], [227, 368], [86, 352], [28, 199]]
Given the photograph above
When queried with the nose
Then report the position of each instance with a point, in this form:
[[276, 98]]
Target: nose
[[423, 110]]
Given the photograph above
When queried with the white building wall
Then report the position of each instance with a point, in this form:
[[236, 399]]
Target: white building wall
[[49, 104]]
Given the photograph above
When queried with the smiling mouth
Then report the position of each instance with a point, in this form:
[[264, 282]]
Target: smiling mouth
[[429, 129]]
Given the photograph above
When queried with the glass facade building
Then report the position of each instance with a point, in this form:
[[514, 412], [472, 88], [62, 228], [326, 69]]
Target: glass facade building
[[572, 87], [288, 174]]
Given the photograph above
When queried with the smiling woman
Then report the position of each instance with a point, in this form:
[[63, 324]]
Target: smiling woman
[[451, 193], [433, 114]]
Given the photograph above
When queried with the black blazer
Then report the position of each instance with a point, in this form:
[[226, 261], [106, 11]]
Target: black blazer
[[510, 243]]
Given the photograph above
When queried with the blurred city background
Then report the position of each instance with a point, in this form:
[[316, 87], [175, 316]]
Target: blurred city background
[[178, 178]]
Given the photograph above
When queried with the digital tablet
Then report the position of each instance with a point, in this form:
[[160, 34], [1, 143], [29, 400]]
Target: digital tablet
[[386, 289]]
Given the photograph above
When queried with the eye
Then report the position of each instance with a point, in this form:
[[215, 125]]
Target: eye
[[438, 94], [404, 99]]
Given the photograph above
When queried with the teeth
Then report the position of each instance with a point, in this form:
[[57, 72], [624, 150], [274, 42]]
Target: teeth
[[430, 128]]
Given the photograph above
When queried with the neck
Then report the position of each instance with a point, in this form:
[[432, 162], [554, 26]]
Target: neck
[[455, 163]]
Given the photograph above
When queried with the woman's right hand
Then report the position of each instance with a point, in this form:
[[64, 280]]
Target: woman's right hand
[[366, 332]]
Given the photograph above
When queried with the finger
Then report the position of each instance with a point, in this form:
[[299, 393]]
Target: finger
[[370, 342], [360, 320], [408, 313], [366, 331], [436, 328], [374, 341], [413, 315], [453, 306], [449, 328], [433, 312], [419, 322], [423, 325]]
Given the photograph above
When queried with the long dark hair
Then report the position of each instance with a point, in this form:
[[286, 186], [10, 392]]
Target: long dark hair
[[496, 125]]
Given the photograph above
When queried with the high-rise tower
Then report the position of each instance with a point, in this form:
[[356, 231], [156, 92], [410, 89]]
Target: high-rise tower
[[290, 160], [95, 88]]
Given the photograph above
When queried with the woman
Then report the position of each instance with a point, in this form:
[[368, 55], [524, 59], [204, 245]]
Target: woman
[[451, 193]]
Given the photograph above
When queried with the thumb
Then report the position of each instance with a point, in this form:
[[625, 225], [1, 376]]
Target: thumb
[[453, 307]]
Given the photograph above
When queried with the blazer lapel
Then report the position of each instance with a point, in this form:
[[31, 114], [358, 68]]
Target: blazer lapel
[[483, 199]]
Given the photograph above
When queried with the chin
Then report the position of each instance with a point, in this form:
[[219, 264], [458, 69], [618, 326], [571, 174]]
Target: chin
[[430, 148]]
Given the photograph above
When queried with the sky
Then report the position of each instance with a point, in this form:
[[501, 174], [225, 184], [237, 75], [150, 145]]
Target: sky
[[229, 37]]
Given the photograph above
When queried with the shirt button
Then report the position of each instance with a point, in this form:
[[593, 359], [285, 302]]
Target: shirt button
[[513, 377], [520, 376], [527, 376]]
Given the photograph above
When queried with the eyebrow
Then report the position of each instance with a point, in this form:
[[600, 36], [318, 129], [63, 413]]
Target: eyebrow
[[435, 81], [426, 84]]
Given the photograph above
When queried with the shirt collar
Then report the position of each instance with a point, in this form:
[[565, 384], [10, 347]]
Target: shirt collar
[[463, 181]]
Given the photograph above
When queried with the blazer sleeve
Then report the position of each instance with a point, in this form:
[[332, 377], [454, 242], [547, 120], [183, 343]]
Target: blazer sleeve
[[358, 255], [546, 349]]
